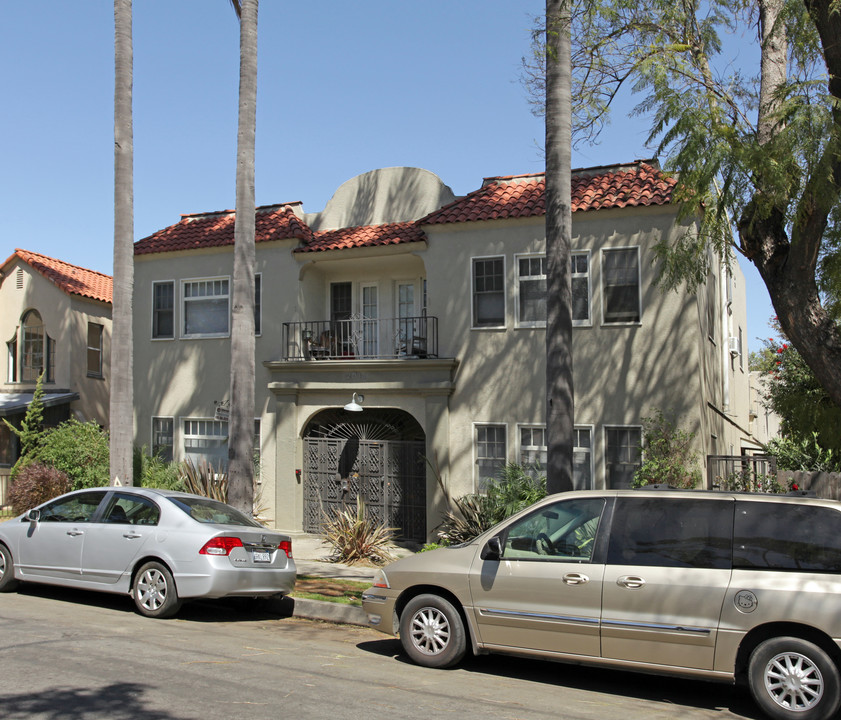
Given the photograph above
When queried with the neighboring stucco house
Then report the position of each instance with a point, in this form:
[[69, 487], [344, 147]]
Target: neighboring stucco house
[[428, 311], [56, 320]]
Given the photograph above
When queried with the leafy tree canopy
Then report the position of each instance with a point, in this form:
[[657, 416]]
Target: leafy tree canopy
[[744, 101]]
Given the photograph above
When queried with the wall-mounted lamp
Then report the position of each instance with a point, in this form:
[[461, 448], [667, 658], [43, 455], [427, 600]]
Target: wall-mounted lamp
[[355, 405]]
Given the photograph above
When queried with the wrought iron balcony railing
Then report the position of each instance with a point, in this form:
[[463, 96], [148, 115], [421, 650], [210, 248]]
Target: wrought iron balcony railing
[[361, 338]]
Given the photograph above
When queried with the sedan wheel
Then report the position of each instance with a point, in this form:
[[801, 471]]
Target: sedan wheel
[[7, 571], [793, 678], [432, 632], [154, 591]]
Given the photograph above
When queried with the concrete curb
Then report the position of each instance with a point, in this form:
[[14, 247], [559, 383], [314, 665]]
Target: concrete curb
[[320, 610]]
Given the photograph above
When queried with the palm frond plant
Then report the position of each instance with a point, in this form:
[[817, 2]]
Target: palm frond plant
[[356, 537], [204, 479]]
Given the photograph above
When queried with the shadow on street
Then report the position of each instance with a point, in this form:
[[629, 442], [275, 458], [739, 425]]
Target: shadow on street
[[654, 688]]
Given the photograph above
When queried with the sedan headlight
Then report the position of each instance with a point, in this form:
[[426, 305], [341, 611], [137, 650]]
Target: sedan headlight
[[380, 580]]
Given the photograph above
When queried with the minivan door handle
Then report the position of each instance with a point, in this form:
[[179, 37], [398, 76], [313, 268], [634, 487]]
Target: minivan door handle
[[632, 582], [575, 579]]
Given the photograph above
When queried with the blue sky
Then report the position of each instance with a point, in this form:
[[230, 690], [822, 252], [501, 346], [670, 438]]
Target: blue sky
[[343, 88]]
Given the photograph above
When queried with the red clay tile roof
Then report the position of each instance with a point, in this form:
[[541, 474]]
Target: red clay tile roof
[[72, 279], [364, 236], [273, 222], [522, 196]]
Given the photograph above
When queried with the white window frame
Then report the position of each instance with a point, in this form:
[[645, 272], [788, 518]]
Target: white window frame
[[258, 304], [471, 285], [518, 305], [590, 429], [615, 427], [604, 286], [477, 484], [184, 300], [536, 448], [174, 315], [220, 439], [100, 350], [589, 321], [171, 420]]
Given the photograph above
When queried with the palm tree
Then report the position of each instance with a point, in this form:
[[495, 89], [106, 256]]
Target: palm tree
[[122, 395], [241, 422], [559, 390]]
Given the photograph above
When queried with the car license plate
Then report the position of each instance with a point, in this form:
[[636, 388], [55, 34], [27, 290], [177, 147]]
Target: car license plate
[[262, 557]]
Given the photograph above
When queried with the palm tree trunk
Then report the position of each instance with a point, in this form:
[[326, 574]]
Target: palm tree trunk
[[241, 423], [559, 390], [122, 395]]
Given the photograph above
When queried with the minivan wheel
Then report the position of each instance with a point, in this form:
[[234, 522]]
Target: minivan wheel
[[793, 678], [432, 632], [154, 591], [7, 571]]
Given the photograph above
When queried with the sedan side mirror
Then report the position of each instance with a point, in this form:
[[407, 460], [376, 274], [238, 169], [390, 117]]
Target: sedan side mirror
[[492, 549], [33, 515]]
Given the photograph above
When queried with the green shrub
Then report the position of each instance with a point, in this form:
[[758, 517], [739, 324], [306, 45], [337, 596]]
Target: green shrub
[[807, 454], [515, 490], [668, 457], [356, 537], [35, 484], [80, 450], [153, 472]]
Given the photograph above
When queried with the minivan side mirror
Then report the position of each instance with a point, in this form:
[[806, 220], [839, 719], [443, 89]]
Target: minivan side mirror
[[33, 515], [492, 549]]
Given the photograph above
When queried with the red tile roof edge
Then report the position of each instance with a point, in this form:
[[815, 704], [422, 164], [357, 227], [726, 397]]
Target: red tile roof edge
[[397, 233], [72, 279]]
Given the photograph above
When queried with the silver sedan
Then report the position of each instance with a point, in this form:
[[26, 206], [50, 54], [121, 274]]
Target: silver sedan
[[158, 546]]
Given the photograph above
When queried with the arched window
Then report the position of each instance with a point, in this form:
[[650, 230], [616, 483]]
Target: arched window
[[37, 349]]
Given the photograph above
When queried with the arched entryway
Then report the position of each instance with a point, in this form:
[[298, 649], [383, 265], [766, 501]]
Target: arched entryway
[[378, 454]]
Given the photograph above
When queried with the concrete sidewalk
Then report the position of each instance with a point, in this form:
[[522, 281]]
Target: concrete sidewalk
[[311, 557]]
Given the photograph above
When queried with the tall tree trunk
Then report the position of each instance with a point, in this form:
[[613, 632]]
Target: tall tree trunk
[[241, 424], [122, 367], [559, 390]]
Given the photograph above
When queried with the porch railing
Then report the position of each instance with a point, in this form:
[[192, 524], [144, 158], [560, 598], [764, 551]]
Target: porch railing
[[362, 338]]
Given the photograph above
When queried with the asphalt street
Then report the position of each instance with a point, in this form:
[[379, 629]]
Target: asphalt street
[[74, 654]]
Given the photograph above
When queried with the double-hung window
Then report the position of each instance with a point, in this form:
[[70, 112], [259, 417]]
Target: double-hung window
[[94, 357], [206, 439], [533, 449], [162, 438], [582, 459], [206, 307], [488, 292], [580, 280], [622, 455], [491, 453], [621, 284], [163, 310], [531, 306]]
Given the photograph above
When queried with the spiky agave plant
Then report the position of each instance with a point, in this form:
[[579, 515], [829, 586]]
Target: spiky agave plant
[[356, 537]]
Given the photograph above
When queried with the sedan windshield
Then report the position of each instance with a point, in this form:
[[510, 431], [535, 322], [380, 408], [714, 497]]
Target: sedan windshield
[[205, 510]]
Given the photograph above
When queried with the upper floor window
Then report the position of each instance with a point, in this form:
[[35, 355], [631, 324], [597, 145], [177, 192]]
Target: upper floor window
[[488, 292], [163, 309], [31, 351], [621, 283], [531, 291], [206, 307], [258, 304], [95, 334], [580, 279]]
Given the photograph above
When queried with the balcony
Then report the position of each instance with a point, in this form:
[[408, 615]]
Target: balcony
[[361, 339]]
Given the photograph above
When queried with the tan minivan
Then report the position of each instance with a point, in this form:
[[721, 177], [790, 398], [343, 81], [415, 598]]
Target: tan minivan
[[713, 585]]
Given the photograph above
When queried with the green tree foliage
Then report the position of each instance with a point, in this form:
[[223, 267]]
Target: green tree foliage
[[31, 430], [808, 417], [668, 456], [758, 146], [79, 450]]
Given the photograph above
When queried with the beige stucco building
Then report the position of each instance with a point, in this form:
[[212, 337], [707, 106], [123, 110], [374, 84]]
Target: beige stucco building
[[431, 309], [56, 320]]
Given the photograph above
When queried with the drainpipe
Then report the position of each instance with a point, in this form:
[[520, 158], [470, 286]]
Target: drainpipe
[[725, 338]]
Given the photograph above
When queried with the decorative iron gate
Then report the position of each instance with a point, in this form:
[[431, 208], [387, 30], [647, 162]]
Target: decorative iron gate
[[389, 475]]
